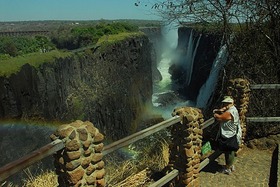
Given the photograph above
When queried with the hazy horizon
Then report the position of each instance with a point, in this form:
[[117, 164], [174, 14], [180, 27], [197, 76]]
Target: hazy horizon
[[71, 10]]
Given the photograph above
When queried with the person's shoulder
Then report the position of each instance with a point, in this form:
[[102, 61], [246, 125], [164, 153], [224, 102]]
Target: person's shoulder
[[233, 108]]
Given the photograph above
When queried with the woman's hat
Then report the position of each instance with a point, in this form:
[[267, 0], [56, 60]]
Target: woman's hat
[[227, 99]]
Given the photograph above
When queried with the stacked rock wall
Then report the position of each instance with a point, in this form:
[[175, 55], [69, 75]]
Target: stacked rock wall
[[240, 91], [186, 147], [80, 162]]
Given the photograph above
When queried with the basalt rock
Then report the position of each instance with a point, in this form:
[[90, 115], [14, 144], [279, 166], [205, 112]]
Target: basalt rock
[[108, 86]]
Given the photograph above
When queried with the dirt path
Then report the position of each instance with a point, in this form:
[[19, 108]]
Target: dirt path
[[252, 170]]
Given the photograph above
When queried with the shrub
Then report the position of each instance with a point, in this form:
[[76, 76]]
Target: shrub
[[77, 37], [15, 46]]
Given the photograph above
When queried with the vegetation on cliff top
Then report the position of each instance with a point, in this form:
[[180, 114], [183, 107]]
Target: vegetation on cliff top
[[17, 51], [77, 37], [13, 65], [104, 41], [65, 37], [20, 45]]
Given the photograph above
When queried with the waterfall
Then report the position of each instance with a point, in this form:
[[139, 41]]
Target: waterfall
[[190, 55], [209, 86], [165, 99], [170, 38], [166, 96]]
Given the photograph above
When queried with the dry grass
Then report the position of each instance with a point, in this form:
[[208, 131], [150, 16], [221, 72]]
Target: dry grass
[[115, 173], [46, 179], [136, 171], [156, 157], [138, 180]]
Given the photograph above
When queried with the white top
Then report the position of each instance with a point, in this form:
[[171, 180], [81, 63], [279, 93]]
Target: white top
[[229, 128]]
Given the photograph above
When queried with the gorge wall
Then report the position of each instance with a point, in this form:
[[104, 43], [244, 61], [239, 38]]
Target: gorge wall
[[205, 46], [109, 87], [196, 52]]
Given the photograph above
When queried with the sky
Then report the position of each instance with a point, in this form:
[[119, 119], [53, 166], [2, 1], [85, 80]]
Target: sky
[[39, 10]]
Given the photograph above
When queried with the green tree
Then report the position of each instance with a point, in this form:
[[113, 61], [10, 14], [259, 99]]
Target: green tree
[[44, 44], [14, 46], [8, 47], [64, 39], [81, 36]]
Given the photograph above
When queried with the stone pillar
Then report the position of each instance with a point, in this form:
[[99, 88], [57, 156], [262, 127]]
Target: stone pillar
[[239, 89], [185, 149], [80, 162]]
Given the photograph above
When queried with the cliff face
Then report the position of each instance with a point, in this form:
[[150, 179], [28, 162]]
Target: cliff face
[[155, 36], [109, 87], [205, 48]]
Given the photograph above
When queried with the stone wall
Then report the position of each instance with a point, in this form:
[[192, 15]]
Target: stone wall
[[239, 90], [80, 162], [185, 150]]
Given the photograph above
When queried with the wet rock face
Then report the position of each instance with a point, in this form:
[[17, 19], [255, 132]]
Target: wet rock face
[[208, 46], [109, 87]]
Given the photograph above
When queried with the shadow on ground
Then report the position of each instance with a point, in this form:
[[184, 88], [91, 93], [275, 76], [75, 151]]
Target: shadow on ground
[[273, 169], [212, 167]]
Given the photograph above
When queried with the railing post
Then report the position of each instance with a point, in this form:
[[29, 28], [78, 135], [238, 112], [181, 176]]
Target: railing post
[[80, 162], [239, 89], [185, 149]]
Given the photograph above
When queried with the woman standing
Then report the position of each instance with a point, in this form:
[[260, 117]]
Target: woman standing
[[229, 132]]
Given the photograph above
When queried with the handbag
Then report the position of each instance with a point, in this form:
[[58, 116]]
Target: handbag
[[228, 144], [206, 148]]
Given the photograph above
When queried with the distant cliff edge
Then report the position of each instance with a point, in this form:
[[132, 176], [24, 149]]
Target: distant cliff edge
[[108, 86]]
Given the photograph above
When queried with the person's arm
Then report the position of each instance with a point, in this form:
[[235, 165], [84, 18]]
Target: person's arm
[[223, 109], [226, 116]]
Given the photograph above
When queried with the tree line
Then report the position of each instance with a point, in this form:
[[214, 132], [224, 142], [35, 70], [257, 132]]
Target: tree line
[[65, 37]]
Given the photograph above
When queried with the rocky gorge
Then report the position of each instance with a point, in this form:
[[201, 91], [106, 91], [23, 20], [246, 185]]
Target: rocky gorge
[[110, 85]]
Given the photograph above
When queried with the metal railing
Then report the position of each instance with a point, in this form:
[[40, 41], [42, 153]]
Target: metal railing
[[49, 149], [17, 165], [140, 135], [263, 87], [57, 145]]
